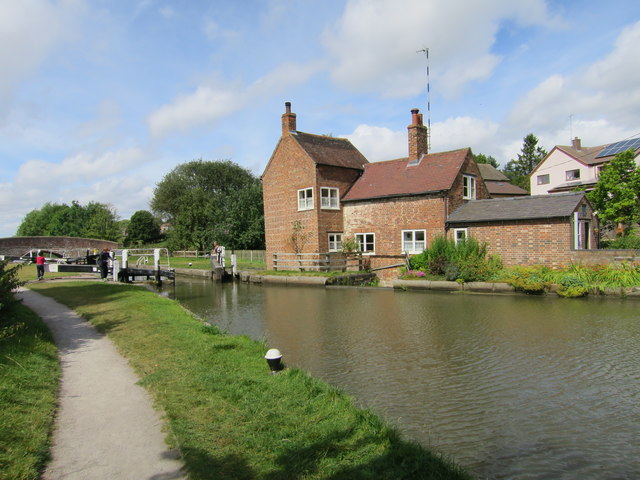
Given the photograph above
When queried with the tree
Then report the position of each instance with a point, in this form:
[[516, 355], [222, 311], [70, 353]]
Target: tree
[[211, 200], [143, 229], [96, 220], [531, 155], [481, 158], [616, 196]]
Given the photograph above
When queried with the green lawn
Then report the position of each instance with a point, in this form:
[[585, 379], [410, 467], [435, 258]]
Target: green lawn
[[228, 415], [29, 375]]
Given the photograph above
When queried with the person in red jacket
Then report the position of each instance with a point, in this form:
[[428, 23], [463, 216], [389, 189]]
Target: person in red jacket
[[40, 261]]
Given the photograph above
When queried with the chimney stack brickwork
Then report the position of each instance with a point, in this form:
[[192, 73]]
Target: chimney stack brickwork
[[288, 120], [418, 140]]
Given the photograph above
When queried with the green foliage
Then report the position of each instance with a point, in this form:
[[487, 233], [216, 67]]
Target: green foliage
[[9, 282], [616, 196], [211, 201], [532, 280], [623, 242], [531, 155], [481, 158], [571, 285], [29, 373], [350, 245], [95, 220], [143, 229], [467, 260]]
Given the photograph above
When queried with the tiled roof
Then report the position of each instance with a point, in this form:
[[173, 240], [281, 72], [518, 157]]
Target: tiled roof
[[435, 172], [489, 172], [503, 188], [337, 152], [517, 208], [586, 155]]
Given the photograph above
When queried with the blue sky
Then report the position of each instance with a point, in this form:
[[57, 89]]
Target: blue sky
[[99, 99]]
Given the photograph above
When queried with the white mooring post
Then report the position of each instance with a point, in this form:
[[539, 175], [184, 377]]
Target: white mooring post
[[156, 259], [233, 264]]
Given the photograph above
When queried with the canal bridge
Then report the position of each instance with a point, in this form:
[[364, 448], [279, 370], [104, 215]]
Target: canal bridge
[[60, 247]]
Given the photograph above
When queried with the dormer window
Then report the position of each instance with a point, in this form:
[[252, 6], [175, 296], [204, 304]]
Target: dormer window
[[468, 187], [305, 199]]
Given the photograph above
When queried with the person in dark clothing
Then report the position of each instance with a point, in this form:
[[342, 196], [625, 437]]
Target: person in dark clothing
[[103, 263]]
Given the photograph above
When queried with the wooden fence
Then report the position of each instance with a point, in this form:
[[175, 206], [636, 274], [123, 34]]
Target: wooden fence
[[323, 262], [241, 255]]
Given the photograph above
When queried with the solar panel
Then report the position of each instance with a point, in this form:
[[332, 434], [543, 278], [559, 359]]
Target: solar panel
[[618, 147]]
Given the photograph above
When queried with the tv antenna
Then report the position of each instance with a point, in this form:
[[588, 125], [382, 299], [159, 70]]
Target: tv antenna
[[426, 54]]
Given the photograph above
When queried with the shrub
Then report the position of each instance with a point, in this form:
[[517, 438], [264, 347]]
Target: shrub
[[467, 260], [8, 283], [532, 280], [571, 285], [623, 242]]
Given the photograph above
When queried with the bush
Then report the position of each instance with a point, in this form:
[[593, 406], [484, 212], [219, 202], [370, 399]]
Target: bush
[[8, 283], [467, 260], [570, 285], [625, 242]]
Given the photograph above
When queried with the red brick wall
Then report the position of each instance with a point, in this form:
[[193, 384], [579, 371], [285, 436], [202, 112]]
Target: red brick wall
[[289, 170], [537, 242], [388, 217]]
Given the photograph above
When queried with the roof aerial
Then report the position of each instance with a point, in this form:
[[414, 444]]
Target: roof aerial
[[618, 147]]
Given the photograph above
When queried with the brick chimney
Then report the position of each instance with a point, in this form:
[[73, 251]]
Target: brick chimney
[[288, 120], [418, 141], [576, 143]]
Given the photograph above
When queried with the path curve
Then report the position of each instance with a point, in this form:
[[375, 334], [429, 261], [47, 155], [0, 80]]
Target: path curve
[[106, 427]]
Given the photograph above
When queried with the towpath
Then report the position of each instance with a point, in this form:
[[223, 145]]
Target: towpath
[[106, 427]]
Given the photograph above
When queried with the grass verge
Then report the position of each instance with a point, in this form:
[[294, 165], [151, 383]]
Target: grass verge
[[29, 375], [230, 418]]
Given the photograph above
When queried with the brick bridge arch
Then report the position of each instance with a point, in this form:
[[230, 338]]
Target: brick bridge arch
[[62, 246]]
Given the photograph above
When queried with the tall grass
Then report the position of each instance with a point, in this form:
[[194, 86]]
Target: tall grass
[[228, 415], [29, 375]]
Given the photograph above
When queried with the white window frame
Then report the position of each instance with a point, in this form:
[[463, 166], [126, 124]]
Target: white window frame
[[575, 174], [468, 187], [362, 239], [457, 231], [305, 199], [335, 242], [414, 245], [544, 179], [329, 198]]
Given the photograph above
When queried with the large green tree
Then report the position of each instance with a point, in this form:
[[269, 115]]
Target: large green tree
[[95, 220], [616, 196], [207, 201], [530, 156], [143, 228]]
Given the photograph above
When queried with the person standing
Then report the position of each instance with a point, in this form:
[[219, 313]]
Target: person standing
[[216, 254], [40, 261], [103, 263]]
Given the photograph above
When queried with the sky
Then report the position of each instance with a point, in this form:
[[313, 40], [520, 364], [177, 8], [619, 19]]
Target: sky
[[100, 99]]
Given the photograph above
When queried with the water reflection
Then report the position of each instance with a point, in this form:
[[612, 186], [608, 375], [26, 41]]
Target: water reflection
[[511, 387]]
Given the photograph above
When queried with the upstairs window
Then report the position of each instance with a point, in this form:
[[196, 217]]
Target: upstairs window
[[414, 241], [305, 199], [329, 198], [335, 242], [366, 242], [468, 187], [573, 174], [543, 179]]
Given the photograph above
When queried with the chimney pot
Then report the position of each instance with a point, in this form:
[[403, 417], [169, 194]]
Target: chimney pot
[[418, 141], [287, 106]]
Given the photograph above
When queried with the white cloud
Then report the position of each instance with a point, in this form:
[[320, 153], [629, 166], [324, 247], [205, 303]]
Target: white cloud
[[29, 31], [209, 104], [606, 94], [379, 143], [375, 43], [167, 11]]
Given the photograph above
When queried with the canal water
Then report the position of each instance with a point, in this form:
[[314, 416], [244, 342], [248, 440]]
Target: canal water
[[510, 387]]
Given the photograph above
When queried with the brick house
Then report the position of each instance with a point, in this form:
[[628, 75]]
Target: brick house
[[392, 207], [303, 182], [540, 229]]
